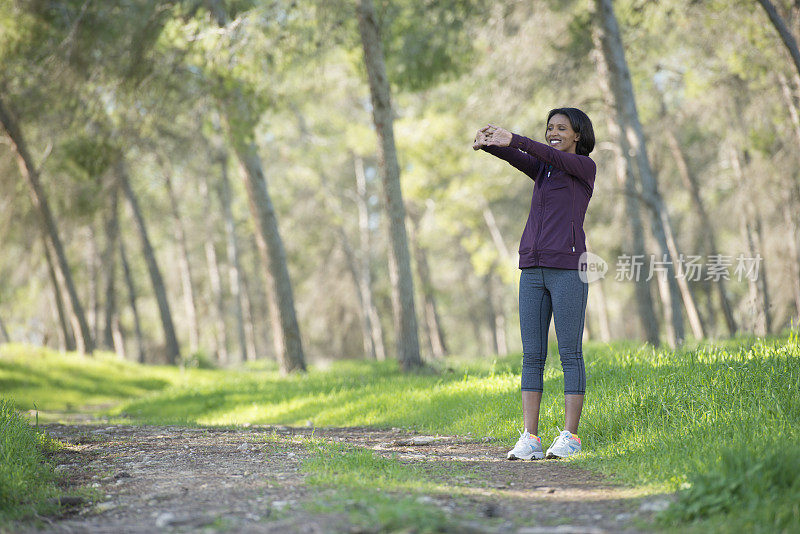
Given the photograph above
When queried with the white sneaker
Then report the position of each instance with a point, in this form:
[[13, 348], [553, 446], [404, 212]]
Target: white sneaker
[[566, 444], [528, 447]]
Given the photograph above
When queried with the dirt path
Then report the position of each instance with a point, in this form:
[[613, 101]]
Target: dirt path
[[178, 479]]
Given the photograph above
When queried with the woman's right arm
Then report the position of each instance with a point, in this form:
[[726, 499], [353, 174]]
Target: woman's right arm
[[517, 158]]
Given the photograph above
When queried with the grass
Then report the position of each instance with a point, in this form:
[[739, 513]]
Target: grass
[[383, 494], [26, 479], [56, 382], [660, 418]]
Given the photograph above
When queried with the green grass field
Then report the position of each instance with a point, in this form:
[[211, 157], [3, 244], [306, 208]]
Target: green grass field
[[712, 419]]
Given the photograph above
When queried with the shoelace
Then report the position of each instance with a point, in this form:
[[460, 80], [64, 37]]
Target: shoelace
[[561, 438]]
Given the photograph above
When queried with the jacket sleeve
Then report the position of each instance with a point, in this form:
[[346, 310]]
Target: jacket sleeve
[[581, 167], [520, 160]]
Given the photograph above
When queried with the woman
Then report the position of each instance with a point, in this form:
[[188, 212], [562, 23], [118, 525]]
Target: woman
[[550, 260]]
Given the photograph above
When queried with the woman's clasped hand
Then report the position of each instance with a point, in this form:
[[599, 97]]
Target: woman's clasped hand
[[491, 136]]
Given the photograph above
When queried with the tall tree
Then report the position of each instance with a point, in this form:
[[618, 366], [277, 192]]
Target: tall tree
[[184, 263], [67, 334], [110, 268], [380, 92], [241, 115], [709, 234], [626, 178], [234, 263], [377, 349], [786, 35], [759, 296], [215, 283], [432, 322], [30, 173], [4, 337], [132, 295], [624, 99], [173, 351], [241, 125]]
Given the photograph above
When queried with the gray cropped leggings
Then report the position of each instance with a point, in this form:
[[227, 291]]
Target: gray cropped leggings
[[545, 291]]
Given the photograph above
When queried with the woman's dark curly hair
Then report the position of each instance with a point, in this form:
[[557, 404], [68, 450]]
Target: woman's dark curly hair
[[581, 124]]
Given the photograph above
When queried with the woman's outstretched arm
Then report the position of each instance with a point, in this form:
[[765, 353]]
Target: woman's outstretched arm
[[581, 167], [487, 139]]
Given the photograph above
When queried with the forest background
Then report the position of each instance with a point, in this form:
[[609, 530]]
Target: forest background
[[209, 182]]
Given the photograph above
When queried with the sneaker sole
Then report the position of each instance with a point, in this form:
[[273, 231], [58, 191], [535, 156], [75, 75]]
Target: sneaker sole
[[534, 456], [551, 456]]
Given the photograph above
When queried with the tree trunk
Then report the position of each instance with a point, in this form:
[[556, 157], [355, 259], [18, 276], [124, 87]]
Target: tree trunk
[[667, 303], [365, 261], [794, 252], [627, 179], [4, 332], [762, 277], [497, 237], [215, 282], [266, 288], [63, 319], [173, 351], [407, 334], [268, 237], [93, 289], [119, 339], [31, 176], [792, 199], [690, 182], [137, 324], [433, 325], [249, 317], [184, 265], [786, 36], [354, 265], [622, 89], [497, 319], [110, 268], [758, 299], [234, 263], [602, 311]]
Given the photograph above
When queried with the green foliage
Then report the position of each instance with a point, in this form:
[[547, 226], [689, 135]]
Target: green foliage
[[90, 155], [755, 485], [26, 479], [425, 41]]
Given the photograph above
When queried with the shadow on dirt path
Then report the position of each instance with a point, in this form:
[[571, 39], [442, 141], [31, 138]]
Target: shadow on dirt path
[[178, 479]]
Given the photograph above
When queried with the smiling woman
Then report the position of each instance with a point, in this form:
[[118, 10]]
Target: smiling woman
[[551, 256]]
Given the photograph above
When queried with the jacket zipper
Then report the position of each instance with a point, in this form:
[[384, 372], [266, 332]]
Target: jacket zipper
[[541, 216], [572, 226], [572, 210]]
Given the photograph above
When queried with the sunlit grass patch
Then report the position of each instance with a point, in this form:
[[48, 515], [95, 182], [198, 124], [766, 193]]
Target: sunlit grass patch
[[26, 479], [66, 382], [379, 492], [342, 465]]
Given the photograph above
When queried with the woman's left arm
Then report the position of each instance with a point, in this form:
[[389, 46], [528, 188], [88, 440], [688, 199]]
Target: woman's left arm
[[581, 167]]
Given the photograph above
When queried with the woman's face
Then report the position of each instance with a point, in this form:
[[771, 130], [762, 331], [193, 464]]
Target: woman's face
[[560, 134]]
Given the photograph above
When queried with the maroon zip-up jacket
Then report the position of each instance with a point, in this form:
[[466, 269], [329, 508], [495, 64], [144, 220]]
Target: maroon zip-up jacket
[[563, 185]]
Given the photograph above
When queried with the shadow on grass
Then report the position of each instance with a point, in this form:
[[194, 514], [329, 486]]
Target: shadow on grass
[[56, 382]]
